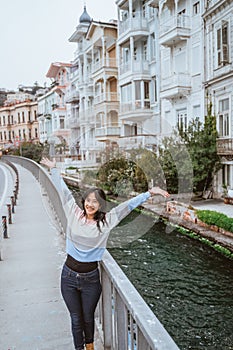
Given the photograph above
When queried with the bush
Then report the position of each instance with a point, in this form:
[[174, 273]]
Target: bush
[[211, 217]]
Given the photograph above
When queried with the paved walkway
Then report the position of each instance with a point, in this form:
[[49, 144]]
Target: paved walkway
[[214, 204], [32, 313]]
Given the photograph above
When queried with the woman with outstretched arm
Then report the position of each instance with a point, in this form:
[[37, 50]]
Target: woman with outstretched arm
[[88, 229]]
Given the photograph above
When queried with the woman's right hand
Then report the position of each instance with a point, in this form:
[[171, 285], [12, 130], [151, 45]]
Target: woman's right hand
[[49, 163]]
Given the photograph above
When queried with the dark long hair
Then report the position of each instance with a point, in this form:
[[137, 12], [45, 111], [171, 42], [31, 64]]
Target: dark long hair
[[101, 198]]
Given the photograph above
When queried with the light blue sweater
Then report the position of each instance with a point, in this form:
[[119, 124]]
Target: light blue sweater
[[84, 241]]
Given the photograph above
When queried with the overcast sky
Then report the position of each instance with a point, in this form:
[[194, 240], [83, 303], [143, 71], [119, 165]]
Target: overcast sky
[[35, 33]]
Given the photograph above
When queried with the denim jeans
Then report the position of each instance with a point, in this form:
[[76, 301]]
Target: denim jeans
[[81, 293]]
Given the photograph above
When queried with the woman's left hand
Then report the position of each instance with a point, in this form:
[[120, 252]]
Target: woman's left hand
[[157, 190]]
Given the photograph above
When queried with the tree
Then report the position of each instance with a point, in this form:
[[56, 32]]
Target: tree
[[201, 142], [121, 176]]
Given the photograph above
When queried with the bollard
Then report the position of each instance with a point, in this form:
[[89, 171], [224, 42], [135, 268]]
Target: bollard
[[15, 195], [13, 204], [4, 226], [9, 214]]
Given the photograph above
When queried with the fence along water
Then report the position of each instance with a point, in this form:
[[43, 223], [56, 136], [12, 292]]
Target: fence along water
[[123, 318]]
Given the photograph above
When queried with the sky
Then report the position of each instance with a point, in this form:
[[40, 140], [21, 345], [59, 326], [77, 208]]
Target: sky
[[35, 33]]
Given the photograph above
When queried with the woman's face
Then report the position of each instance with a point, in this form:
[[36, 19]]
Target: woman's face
[[91, 205]]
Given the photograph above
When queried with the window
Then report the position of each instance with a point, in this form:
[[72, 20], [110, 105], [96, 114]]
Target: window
[[196, 112], [145, 50], [222, 44], [182, 119], [223, 118], [153, 47], [196, 8], [146, 94], [126, 94], [144, 9], [154, 89], [135, 53]]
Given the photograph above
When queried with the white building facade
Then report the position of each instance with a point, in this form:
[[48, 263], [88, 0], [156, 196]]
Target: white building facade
[[139, 70], [218, 80]]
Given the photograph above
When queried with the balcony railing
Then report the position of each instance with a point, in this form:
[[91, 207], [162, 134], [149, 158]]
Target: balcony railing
[[175, 29], [107, 131], [134, 106], [107, 97], [73, 122], [87, 115], [72, 97], [178, 83], [134, 23], [136, 141], [139, 65], [225, 146], [104, 63]]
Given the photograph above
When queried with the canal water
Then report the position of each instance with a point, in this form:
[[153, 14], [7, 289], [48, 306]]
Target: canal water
[[188, 285]]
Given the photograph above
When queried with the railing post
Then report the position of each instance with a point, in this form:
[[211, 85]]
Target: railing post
[[9, 214], [15, 196], [4, 226], [107, 310], [13, 204]]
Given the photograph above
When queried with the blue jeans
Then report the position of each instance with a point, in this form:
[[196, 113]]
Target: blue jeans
[[81, 293]]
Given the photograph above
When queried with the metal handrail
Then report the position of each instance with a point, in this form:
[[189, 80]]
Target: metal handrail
[[124, 320]]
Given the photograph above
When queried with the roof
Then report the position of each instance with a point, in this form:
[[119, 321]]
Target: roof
[[55, 67]]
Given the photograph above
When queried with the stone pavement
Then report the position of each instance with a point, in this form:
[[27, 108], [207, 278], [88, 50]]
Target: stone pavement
[[33, 315], [214, 204]]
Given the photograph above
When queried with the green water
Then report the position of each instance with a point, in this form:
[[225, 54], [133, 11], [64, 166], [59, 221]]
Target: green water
[[188, 285]]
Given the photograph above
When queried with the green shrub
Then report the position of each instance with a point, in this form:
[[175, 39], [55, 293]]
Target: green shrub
[[211, 217]]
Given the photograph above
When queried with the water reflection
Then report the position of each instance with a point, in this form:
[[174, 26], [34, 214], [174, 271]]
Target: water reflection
[[189, 286]]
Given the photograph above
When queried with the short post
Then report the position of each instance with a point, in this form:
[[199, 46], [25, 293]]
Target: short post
[[4, 226], [9, 214], [15, 195], [13, 204]]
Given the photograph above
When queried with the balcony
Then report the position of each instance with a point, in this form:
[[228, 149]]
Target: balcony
[[73, 122], [225, 147], [107, 132], [107, 97], [178, 84], [87, 116], [139, 65], [72, 97], [104, 63], [138, 25], [135, 111], [136, 141], [174, 30]]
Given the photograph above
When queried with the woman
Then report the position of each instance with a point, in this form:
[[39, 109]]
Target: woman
[[86, 239]]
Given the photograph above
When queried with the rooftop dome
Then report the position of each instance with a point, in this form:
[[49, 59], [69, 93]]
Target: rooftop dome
[[85, 18]]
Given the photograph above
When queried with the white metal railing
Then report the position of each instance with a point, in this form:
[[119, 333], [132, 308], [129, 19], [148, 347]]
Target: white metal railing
[[133, 23], [106, 97], [176, 79], [138, 65], [107, 131], [175, 21], [124, 319], [137, 141], [104, 63]]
